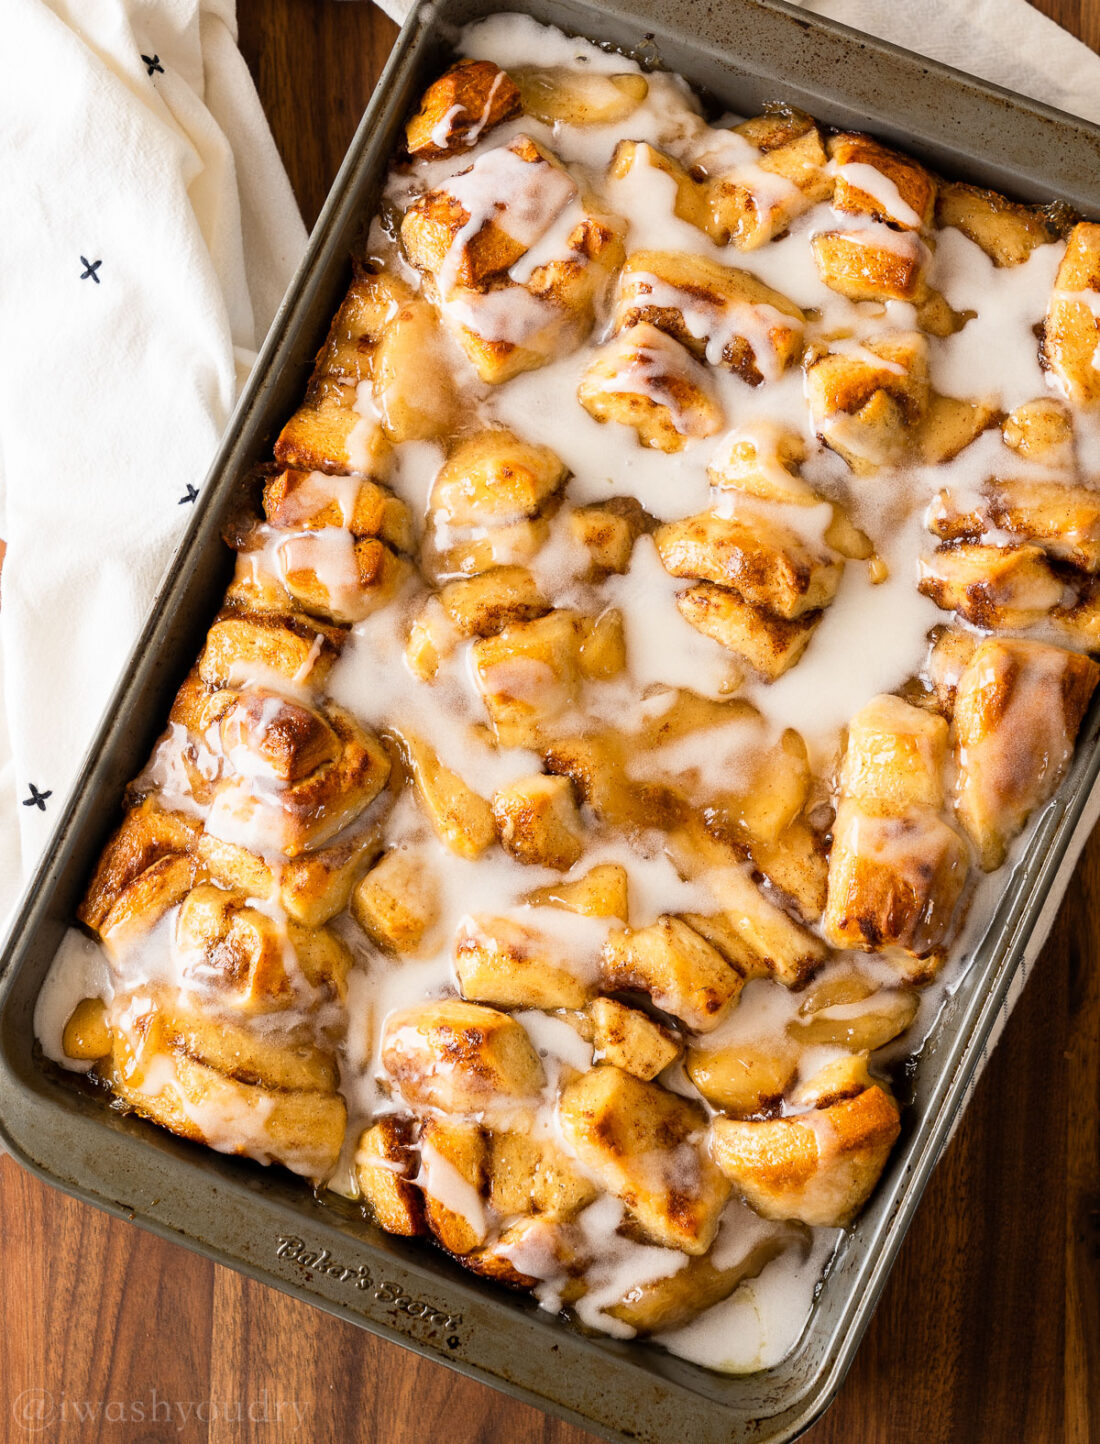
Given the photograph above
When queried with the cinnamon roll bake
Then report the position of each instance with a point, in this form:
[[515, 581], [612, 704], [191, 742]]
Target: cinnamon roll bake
[[654, 631]]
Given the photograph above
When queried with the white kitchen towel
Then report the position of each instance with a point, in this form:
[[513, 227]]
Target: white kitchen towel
[[149, 235]]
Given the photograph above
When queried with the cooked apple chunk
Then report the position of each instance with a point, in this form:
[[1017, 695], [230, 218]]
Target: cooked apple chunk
[[849, 1011], [596, 764], [867, 401], [681, 971], [896, 755], [506, 963], [762, 459], [1007, 231], [646, 380], [384, 1164], [1018, 710], [539, 822], [323, 960], [771, 645], [951, 424], [673, 1301], [462, 106], [1041, 430], [679, 712], [768, 563], [601, 893], [994, 587], [643, 1144], [86, 1035], [722, 315], [774, 790], [844, 1077], [397, 902], [558, 94], [601, 645], [460, 1057], [743, 1078], [1071, 332], [819, 1167], [463, 820], [894, 883], [628, 1039]]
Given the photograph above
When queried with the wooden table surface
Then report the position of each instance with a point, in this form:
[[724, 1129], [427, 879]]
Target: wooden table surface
[[988, 1332]]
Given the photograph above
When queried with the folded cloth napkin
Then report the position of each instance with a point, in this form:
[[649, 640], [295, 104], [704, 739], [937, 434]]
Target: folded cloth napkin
[[150, 233]]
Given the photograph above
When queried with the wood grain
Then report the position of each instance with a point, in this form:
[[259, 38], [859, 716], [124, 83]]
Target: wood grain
[[988, 1331]]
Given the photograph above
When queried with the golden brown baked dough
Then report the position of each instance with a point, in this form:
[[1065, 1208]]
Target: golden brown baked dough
[[494, 869]]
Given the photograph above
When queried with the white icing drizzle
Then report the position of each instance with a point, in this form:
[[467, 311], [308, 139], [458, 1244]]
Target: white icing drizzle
[[441, 1179], [882, 190], [522, 198], [718, 325]]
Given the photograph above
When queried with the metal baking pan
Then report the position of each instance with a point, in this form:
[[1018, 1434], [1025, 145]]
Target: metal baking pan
[[743, 53]]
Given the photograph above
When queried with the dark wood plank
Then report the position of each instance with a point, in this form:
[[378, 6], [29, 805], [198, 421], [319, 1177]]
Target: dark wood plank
[[345, 1383], [105, 1327], [315, 63], [989, 1329]]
